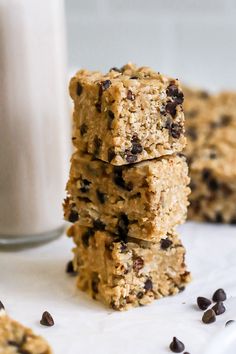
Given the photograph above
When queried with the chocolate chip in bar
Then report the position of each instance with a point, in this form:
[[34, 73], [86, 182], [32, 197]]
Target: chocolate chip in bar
[[165, 243], [148, 285], [130, 95], [219, 295], [111, 117], [99, 225], [116, 69], [105, 85], [73, 216], [176, 346], [101, 196], [176, 130], [209, 316], [111, 154], [70, 268], [83, 129], [130, 157], [1, 306], [203, 302], [79, 88], [136, 145], [47, 319], [171, 108], [219, 308], [138, 264], [173, 91]]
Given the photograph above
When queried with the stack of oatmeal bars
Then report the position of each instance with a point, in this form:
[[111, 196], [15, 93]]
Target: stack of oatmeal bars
[[128, 185]]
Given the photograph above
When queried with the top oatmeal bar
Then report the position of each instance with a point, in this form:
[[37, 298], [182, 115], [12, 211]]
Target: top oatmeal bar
[[127, 115]]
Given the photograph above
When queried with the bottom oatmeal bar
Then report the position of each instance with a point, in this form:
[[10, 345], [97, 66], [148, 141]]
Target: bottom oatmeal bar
[[15, 338], [125, 275]]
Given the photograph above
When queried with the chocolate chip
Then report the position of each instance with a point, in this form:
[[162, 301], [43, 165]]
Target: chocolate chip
[[111, 154], [206, 173], [13, 343], [228, 323], [130, 95], [203, 94], [83, 129], [99, 225], [138, 264], [86, 236], [173, 91], [219, 218], [191, 133], [105, 85], [111, 116], [219, 308], [203, 303], [101, 196], [136, 145], [119, 181], [97, 144], [79, 88], [123, 227], [47, 319], [130, 158], [70, 268], [73, 216], [213, 184], [116, 69], [171, 108], [84, 185], [148, 285], [133, 77], [1, 306], [186, 353], [176, 130], [209, 317], [98, 106], [165, 243], [123, 246], [95, 282], [140, 295], [177, 346], [219, 295]]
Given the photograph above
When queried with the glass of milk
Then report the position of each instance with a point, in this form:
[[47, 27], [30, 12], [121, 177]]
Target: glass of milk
[[34, 122]]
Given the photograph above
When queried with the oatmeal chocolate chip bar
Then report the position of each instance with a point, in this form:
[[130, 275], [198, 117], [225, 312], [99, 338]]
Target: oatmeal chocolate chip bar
[[127, 115], [15, 338], [142, 200], [127, 274], [211, 155]]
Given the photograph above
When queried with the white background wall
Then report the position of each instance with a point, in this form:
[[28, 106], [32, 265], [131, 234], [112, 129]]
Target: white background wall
[[189, 39]]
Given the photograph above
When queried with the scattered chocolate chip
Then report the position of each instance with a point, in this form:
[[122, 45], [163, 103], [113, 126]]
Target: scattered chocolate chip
[[209, 317], [148, 285], [111, 154], [116, 69], [86, 236], [140, 295], [73, 216], [130, 95], [94, 284], [79, 88], [70, 268], [119, 181], [176, 130], [2, 306], [123, 227], [228, 323], [136, 145], [219, 295], [104, 85], [111, 116], [101, 196], [138, 264], [173, 91], [84, 185], [219, 308], [47, 319], [181, 288], [177, 346], [83, 129], [98, 106], [99, 225], [165, 243], [133, 77], [203, 303], [97, 144], [130, 158], [171, 108]]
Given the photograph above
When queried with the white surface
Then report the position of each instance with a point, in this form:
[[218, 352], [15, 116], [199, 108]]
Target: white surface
[[34, 280]]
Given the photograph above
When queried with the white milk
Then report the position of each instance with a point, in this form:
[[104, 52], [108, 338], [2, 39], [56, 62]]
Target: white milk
[[34, 122]]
